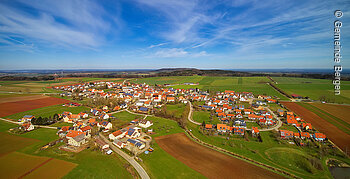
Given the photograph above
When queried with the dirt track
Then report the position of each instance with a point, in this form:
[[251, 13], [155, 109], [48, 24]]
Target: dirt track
[[10, 108], [208, 162], [340, 138]]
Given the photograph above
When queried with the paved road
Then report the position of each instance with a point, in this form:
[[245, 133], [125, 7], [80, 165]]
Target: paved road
[[115, 112], [131, 160], [279, 122]]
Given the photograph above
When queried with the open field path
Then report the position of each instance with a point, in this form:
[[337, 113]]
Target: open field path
[[129, 159], [190, 115]]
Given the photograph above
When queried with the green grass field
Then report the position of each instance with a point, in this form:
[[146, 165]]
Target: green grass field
[[123, 118], [314, 88], [49, 111], [176, 109], [160, 164], [200, 116], [162, 126]]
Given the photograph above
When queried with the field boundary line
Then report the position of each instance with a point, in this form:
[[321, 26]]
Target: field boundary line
[[35, 168]]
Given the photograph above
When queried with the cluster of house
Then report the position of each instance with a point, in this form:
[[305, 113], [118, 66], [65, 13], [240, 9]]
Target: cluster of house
[[226, 111], [223, 128], [81, 129], [142, 96], [267, 98], [129, 136], [72, 104], [304, 128], [72, 118], [26, 124]]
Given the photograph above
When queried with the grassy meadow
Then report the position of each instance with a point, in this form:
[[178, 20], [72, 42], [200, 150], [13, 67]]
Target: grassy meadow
[[314, 88]]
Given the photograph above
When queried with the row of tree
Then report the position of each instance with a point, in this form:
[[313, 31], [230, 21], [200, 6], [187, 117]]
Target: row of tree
[[45, 120]]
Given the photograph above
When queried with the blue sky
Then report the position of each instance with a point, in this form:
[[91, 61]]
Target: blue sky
[[150, 34]]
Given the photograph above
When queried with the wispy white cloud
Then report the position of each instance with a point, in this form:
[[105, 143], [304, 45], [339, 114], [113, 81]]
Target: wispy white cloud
[[157, 45], [78, 24], [176, 53]]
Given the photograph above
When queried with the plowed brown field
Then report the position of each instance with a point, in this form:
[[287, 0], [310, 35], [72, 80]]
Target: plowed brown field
[[340, 138], [21, 98], [208, 162], [10, 108], [340, 111]]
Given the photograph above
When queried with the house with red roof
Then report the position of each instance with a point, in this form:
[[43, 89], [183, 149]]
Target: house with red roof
[[76, 138], [255, 131], [285, 134], [304, 135], [319, 136], [208, 126], [307, 126], [27, 126], [222, 128], [117, 135]]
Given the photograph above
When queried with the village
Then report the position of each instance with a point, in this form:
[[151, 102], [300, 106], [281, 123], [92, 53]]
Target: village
[[232, 114]]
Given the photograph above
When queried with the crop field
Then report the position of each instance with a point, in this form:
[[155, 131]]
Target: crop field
[[18, 97], [49, 111], [327, 115], [341, 112], [314, 88], [257, 85], [10, 108], [53, 169], [339, 137], [18, 165], [11, 143], [208, 162]]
